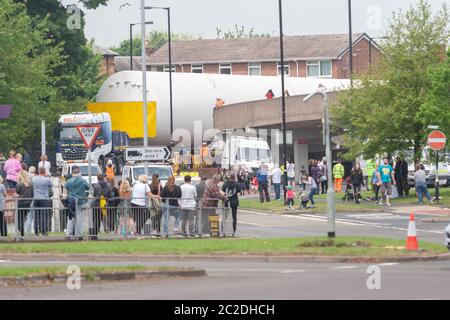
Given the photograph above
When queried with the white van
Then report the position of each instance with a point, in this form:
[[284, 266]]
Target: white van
[[132, 172], [248, 152], [84, 170], [430, 171]]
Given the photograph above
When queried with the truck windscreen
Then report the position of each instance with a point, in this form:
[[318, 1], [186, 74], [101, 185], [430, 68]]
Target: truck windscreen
[[69, 133], [163, 172], [84, 170]]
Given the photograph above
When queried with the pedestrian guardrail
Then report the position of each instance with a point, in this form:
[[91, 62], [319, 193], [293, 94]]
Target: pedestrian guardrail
[[99, 218]]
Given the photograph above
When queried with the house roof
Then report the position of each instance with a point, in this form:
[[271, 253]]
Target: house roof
[[122, 63], [329, 46], [104, 51]]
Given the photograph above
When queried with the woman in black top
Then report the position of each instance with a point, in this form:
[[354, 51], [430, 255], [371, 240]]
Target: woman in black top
[[357, 179], [170, 195], [232, 188], [24, 190]]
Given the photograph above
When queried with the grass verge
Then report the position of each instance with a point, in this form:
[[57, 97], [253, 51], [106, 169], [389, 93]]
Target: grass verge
[[354, 246], [344, 206], [320, 207], [61, 270]]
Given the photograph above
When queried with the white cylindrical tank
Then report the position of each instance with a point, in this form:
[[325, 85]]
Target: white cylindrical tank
[[194, 95]]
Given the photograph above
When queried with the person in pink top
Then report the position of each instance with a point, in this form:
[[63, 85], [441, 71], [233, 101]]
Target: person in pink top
[[12, 167]]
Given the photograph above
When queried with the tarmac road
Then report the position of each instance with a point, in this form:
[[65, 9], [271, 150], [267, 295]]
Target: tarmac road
[[262, 280], [388, 224], [282, 280]]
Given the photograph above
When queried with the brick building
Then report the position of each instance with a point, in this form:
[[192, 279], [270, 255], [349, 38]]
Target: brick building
[[305, 56], [108, 65]]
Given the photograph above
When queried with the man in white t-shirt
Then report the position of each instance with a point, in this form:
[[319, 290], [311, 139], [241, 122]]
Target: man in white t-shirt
[[188, 205], [276, 181], [141, 192]]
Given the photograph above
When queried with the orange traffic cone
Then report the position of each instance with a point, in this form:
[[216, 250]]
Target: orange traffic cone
[[411, 241]]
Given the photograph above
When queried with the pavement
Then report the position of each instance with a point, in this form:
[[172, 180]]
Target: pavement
[[263, 281]]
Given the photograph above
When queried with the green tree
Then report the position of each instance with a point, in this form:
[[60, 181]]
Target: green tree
[[436, 109], [27, 60], [384, 112], [49, 70], [239, 33], [93, 4], [74, 46]]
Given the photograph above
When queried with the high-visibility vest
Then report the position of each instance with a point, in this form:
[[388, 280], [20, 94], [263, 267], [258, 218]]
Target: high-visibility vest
[[204, 151], [370, 165], [338, 171], [110, 171]]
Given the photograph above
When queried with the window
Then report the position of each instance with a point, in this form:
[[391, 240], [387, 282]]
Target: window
[[287, 69], [319, 68], [163, 172], [69, 133], [84, 170], [256, 154], [254, 69], [225, 68], [166, 68], [197, 68]]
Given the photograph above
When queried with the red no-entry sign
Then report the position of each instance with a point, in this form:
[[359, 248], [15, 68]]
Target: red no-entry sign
[[437, 140]]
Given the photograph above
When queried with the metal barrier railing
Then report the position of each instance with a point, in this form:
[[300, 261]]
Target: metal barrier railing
[[96, 218]]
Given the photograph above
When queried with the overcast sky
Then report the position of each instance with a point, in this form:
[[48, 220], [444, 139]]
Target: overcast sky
[[108, 25]]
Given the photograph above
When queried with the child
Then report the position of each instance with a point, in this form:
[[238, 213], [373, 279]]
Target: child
[[290, 195], [255, 184], [3, 226], [304, 199]]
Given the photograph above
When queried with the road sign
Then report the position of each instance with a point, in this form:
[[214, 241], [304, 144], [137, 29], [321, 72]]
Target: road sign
[[437, 140], [88, 133], [5, 111], [147, 154]]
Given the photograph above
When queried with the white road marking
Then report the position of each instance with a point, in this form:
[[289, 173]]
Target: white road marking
[[388, 264], [341, 221], [291, 271], [344, 268]]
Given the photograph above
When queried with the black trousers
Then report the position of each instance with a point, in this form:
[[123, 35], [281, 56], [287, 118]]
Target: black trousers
[[3, 229], [234, 215], [41, 208], [264, 191], [324, 186], [400, 190], [23, 211], [376, 190], [139, 215]]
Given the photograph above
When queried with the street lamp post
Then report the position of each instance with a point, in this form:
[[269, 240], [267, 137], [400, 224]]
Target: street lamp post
[[131, 41], [283, 99], [144, 80], [169, 34], [331, 201], [350, 41]]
